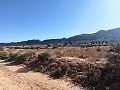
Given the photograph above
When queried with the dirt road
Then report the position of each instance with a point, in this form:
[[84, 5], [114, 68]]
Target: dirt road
[[19, 78]]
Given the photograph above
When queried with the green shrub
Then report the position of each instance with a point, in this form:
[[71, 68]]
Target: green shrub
[[28, 56], [21, 58], [43, 56], [24, 58], [3, 55], [13, 57], [1, 48]]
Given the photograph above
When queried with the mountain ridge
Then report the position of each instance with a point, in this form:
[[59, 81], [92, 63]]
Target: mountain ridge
[[101, 35]]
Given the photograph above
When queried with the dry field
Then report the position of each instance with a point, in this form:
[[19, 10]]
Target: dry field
[[89, 52], [65, 63]]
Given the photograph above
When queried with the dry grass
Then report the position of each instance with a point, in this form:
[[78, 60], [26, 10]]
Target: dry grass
[[81, 52], [68, 51]]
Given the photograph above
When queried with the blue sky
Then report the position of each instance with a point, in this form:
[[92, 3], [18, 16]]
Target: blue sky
[[45, 19]]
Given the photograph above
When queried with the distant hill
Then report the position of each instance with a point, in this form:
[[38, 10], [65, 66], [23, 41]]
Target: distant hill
[[54, 41], [29, 42], [102, 35], [112, 34]]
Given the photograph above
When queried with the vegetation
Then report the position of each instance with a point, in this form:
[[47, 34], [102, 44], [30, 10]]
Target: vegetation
[[18, 58], [24, 58], [89, 73], [112, 69], [108, 77], [1, 48], [43, 56], [13, 57], [3, 55]]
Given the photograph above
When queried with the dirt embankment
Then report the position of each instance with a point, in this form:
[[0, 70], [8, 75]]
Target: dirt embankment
[[19, 78]]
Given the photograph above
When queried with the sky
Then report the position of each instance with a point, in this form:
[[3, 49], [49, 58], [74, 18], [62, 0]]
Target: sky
[[47, 19]]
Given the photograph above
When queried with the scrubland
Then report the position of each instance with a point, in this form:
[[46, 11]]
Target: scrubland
[[88, 52], [89, 67]]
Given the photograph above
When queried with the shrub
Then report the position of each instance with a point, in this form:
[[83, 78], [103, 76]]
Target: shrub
[[102, 78], [109, 78], [114, 55], [61, 70], [3, 55], [116, 48], [1, 48], [24, 58], [29, 56], [55, 47], [21, 58], [49, 45], [13, 57], [43, 56], [57, 74], [98, 49]]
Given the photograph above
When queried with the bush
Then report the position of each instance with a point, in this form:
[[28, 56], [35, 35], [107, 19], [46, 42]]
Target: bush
[[116, 48], [24, 58], [114, 55], [13, 57], [1, 48], [60, 71], [43, 56], [21, 58], [109, 78], [55, 47], [103, 78], [29, 57], [3, 55], [98, 49]]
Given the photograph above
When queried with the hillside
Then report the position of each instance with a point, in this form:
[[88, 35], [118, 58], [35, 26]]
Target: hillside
[[112, 34], [102, 35]]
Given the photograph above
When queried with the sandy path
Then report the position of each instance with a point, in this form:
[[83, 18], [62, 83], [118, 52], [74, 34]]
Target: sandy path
[[19, 78]]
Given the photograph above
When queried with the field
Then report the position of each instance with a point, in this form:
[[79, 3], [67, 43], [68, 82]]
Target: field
[[81, 66], [87, 52]]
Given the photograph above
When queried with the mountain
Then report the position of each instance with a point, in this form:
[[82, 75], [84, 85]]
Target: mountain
[[102, 35], [54, 41], [112, 34], [29, 42]]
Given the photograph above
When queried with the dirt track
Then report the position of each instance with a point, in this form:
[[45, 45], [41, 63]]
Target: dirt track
[[19, 78]]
